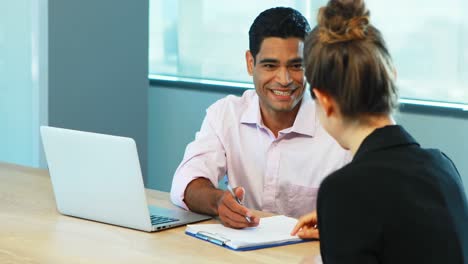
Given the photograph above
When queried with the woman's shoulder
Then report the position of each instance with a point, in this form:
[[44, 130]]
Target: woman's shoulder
[[360, 177]]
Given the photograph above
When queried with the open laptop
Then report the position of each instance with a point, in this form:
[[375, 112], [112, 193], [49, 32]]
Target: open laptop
[[98, 177]]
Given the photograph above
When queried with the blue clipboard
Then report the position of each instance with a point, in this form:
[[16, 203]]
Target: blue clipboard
[[205, 236]]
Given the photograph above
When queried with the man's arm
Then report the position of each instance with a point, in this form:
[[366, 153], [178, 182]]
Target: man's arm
[[204, 158], [193, 185], [202, 197]]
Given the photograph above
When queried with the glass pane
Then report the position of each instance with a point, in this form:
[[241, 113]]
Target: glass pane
[[207, 39], [163, 43], [429, 44], [16, 111]]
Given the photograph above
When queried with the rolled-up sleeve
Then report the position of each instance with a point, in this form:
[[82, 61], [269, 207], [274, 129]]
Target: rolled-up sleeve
[[205, 157]]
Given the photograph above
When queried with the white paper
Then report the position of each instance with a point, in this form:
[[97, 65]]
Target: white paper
[[271, 230]]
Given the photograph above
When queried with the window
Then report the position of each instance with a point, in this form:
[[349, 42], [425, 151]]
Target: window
[[207, 39], [204, 39], [429, 44]]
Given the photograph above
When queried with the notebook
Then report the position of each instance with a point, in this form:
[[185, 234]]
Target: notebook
[[98, 177], [272, 231]]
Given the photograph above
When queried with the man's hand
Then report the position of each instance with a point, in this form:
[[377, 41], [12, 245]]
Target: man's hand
[[202, 197], [306, 226], [232, 214]]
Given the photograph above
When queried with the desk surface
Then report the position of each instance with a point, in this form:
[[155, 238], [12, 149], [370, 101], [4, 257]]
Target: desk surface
[[32, 231]]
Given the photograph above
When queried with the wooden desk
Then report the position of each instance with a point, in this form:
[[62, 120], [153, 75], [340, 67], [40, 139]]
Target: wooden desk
[[32, 231]]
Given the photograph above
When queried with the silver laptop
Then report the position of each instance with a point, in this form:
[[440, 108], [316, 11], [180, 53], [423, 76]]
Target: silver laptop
[[98, 177]]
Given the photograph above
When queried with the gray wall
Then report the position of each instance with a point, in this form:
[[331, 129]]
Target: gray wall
[[444, 130], [175, 114], [98, 70], [174, 117]]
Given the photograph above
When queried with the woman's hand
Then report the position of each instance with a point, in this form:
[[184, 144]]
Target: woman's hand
[[306, 226]]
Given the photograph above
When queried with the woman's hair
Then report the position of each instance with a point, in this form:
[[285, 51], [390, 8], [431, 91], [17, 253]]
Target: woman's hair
[[346, 57]]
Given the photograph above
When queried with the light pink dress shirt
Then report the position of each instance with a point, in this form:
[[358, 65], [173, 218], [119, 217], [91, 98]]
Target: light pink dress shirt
[[280, 175]]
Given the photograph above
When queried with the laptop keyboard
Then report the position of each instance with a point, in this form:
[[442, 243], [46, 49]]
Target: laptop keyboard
[[158, 219]]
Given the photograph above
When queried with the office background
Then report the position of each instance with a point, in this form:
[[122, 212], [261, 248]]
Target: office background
[[84, 65]]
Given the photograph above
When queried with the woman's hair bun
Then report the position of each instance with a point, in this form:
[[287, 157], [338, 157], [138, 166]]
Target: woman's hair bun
[[343, 20]]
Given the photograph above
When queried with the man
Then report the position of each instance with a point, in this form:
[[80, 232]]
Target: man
[[268, 141]]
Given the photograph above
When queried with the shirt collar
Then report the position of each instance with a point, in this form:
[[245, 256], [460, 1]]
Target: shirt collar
[[383, 138], [306, 120], [252, 114]]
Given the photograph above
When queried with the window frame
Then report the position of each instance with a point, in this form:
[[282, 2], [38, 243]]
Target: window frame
[[230, 87]]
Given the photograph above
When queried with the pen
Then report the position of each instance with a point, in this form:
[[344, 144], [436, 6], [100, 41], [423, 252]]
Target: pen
[[234, 195]]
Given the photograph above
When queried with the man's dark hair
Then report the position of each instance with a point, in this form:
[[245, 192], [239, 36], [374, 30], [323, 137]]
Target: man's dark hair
[[282, 22]]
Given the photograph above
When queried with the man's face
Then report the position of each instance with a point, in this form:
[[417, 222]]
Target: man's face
[[278, 73]]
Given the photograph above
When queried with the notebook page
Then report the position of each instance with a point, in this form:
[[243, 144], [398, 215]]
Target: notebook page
[[271, 230]]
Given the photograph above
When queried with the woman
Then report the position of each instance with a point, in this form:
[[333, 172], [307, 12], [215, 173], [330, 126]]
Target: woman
[[395, 202]]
